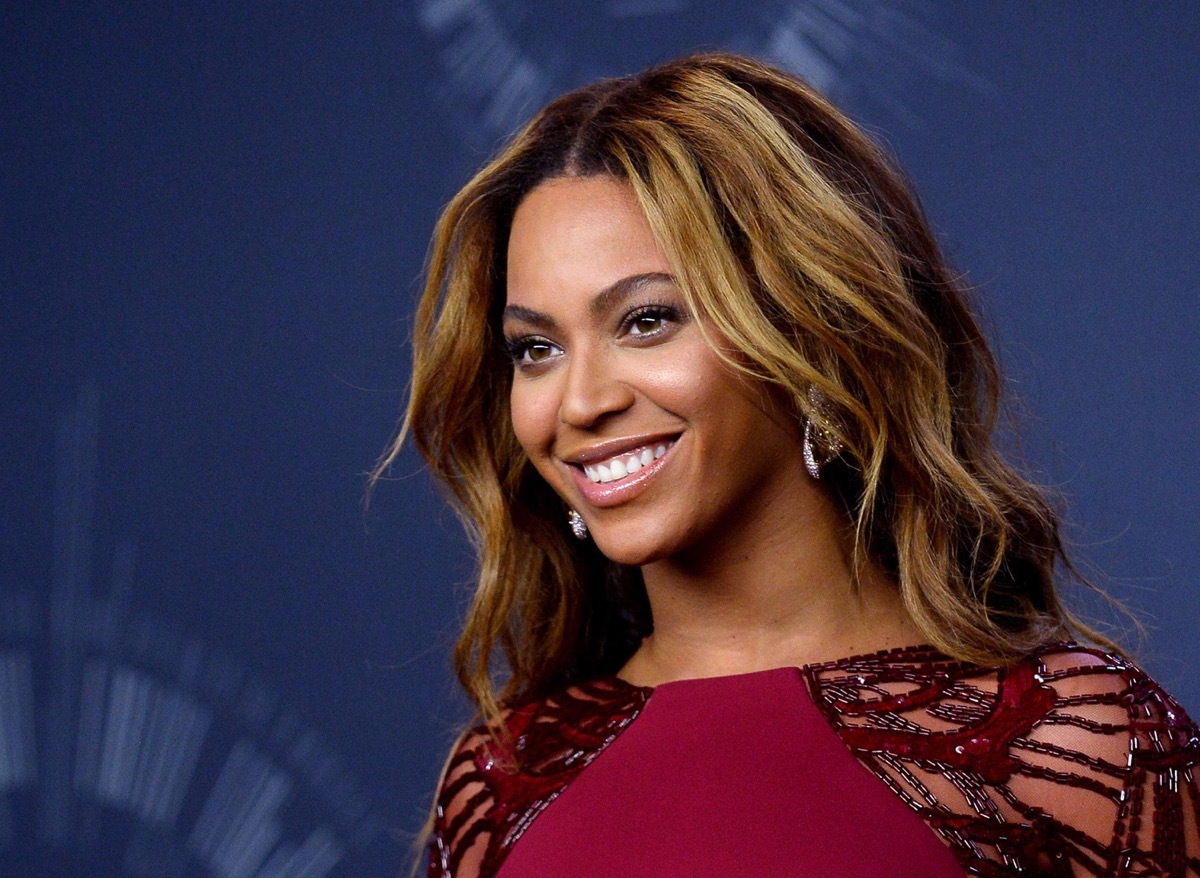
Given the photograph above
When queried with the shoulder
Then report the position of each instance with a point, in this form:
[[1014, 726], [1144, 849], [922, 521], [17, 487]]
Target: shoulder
[[1105, 701], [499, 777], [1060, 679], [1110, 764], [1066, 698], [1071, 753]]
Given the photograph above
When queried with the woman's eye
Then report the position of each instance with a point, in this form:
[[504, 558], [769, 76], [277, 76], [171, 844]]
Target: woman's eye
[[530, 351], [537, 351], [648, 321]]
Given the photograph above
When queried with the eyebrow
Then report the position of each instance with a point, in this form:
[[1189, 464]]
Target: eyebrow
[[602, 302]]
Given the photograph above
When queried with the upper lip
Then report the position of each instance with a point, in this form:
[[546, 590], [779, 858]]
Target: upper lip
[[613, 447]]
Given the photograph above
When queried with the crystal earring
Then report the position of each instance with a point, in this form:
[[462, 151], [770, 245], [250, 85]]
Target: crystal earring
[[578, 525], [821, 444]]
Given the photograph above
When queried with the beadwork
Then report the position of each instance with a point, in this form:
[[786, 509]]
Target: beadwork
[[984, 756]]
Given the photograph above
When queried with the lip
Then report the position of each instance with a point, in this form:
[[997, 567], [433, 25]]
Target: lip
[[603, 495], [604, 450]]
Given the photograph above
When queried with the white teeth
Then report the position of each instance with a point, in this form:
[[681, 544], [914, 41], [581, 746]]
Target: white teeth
[[620, 467]]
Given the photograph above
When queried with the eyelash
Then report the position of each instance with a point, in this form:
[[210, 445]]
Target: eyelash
[[664, 313], [519, 348]]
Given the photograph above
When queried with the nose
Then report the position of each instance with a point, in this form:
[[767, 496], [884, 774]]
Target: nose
[[594, 389]]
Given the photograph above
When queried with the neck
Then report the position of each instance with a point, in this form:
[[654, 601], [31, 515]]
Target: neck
[[777, 600]]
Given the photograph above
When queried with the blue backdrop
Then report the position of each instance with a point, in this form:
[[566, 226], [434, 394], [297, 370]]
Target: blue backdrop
[[213, 660]]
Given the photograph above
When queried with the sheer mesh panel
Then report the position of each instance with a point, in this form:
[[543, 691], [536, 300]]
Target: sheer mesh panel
[[491, 793], [1070, 763]]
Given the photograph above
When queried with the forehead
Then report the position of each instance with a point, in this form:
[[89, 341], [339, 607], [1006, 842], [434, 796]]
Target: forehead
[[578, 235]]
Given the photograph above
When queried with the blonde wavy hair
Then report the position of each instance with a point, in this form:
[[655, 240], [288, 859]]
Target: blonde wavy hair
[[792, 235]]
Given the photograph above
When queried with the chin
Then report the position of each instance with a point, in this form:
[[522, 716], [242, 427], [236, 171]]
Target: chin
[[633, 551], [628, 556]]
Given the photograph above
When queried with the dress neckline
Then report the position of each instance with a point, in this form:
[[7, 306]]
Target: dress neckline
[[922, 654]]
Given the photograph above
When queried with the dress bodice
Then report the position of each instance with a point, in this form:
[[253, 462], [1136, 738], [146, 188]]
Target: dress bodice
[[1070, 762]]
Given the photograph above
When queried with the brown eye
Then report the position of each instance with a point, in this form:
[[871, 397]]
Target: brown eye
[[646, 324], [649, 320], [530, 351]]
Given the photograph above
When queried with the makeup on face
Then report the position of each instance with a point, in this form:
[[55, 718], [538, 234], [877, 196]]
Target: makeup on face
[[617, 397]]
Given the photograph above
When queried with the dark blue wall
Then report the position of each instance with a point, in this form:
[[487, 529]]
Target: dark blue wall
[[212, 222]]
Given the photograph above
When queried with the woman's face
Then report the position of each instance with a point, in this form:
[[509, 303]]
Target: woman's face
[[617, 398]]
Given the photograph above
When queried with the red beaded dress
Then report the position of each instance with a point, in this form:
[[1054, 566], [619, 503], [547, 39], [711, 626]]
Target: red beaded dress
[[901, 764]]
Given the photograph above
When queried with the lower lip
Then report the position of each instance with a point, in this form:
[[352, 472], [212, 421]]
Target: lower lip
[[603, 494]]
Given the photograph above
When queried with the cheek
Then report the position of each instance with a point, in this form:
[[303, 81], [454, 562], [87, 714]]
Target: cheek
[[698, 386], [735, 414], [684, 377], [534, 415]]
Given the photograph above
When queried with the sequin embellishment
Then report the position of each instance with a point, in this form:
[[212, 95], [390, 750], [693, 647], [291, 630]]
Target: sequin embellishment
[[1070, 762]]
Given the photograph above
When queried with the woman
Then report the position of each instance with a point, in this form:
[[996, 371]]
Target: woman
[[720, 421]]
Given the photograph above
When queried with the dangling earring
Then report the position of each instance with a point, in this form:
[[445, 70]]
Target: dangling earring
[[821, 444], [578, 525]]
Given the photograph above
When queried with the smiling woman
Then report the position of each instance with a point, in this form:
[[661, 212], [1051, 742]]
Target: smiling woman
[[769, 600], [611, 367]]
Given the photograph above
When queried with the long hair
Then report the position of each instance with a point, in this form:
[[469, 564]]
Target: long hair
[[794, 237]]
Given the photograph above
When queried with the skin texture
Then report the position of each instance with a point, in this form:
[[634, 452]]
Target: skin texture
[[745, 557]]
